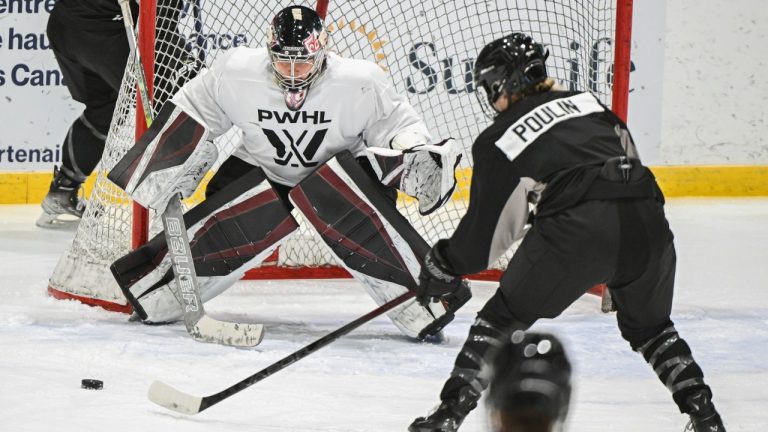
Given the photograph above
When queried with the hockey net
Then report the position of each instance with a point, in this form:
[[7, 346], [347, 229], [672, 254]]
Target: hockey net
[[427, 47]]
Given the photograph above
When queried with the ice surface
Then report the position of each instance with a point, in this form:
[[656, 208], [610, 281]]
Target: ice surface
[[373, 379]]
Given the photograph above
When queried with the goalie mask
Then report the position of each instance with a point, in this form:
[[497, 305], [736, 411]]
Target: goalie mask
[[297, 42], [513, 65]]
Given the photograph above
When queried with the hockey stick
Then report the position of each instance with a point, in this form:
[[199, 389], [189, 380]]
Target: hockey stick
[[141, 79], [175, 400], [200, 326]]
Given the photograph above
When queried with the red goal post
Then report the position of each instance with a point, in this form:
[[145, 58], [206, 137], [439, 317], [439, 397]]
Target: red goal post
[[426, 46]]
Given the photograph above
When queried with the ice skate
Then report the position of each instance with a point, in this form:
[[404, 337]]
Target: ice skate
[[704, 417], [62, 206], [449, 415]]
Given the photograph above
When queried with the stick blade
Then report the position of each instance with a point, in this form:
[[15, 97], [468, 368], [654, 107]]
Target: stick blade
[[174, 400], [211, 330]]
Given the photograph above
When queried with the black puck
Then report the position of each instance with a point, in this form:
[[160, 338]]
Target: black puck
[[92, 384]]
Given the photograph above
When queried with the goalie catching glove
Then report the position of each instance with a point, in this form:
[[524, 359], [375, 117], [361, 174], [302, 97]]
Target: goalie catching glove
[[436, 282], [424, 171]]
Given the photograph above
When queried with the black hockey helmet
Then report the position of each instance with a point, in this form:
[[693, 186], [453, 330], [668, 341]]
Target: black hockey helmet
[[297, 41], [531, 377], [511, 65]]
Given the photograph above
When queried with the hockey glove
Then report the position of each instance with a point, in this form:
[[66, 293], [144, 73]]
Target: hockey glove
[[425, 171], [436, 282]]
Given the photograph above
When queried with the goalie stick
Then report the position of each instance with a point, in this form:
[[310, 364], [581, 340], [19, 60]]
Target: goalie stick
[[168, 397], [200, 326]]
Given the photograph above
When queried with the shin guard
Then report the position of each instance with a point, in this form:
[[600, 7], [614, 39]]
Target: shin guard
[[232, 231], [371, 239], [672, 360], [471, 371]]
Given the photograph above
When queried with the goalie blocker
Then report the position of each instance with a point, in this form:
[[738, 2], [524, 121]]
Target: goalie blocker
[[357, 219], [231, 232], [171, 158]]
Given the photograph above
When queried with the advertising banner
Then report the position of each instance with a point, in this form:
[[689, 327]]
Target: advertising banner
[[35, 107]]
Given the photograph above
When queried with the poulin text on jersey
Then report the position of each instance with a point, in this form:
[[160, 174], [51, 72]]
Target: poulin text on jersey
[[544, 115]]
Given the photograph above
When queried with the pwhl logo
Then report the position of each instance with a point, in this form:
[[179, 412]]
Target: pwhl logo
[[294, 146], [292, 141]]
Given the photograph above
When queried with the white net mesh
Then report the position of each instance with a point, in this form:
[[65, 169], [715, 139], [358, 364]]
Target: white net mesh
[[428, 49]]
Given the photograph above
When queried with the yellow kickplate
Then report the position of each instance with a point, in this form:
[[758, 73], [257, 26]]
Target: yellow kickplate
[[675, 181]]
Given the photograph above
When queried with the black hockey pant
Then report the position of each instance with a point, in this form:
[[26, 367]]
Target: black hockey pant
[[92, 63], [626, 244]]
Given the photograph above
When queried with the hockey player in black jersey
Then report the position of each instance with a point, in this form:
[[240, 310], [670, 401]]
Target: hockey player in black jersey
[[598, 218], [89, 42]]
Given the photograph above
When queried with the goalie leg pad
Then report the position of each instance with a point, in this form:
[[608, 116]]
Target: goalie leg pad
[[372, 240], [232, 232]]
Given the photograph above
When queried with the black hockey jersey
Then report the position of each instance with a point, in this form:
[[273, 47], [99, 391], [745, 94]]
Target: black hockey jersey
[[542, 154]]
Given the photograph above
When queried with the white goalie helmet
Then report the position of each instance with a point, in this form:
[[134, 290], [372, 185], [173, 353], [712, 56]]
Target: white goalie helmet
[[297, 42]]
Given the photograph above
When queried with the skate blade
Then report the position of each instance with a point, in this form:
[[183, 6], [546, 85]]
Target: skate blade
[[57, 222]]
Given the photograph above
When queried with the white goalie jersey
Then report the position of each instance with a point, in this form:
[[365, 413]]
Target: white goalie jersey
[[350, 107]]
